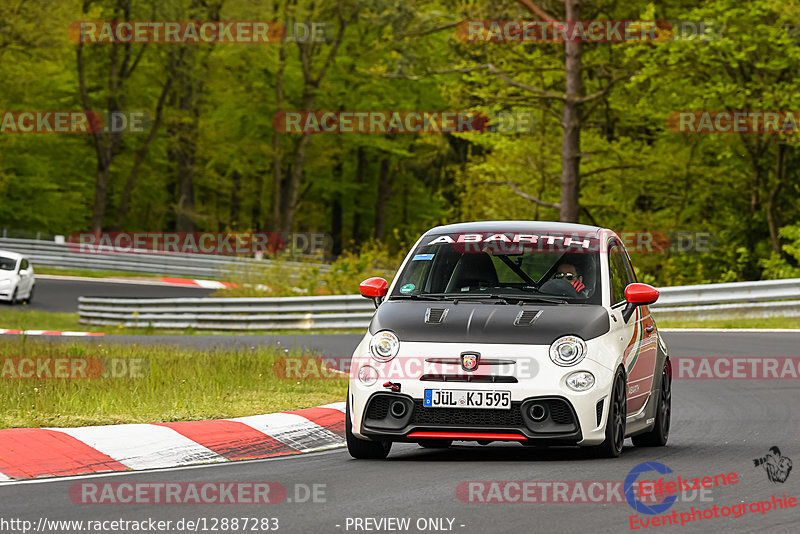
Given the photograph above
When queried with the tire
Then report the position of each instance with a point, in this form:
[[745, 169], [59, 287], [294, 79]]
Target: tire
[[29, 298], [615, 423], [660, 434], [435, 443], [13, 297], [362, 449]]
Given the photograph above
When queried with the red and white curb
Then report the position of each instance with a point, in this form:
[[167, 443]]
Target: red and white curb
[[206, 284], [47, 452], [49, 333]]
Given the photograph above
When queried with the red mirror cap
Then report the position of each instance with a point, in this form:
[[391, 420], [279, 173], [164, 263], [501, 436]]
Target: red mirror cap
[[374, 287], [641, 293]]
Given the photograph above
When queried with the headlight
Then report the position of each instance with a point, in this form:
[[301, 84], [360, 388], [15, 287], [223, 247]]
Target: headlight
[[580, 380], [5, 283], [384, 346], [568, 350]]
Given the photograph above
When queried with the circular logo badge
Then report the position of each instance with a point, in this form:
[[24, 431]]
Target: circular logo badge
[[408, 288], [630, 482]]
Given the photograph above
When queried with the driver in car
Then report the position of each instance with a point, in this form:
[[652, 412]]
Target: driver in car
[[569, 272]]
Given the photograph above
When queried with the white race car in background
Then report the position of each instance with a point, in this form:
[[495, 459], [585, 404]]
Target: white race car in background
[[533, 332], [16, 277]]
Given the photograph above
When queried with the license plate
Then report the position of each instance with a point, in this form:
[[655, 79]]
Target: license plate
[[462, 398]]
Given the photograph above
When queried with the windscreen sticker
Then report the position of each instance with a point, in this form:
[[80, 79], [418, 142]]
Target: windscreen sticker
[[511, 242], [408, 288], [420, 257]]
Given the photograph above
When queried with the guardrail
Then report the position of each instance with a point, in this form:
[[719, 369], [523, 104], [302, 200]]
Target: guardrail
[[289, 313], [701, 302], [58, 256]]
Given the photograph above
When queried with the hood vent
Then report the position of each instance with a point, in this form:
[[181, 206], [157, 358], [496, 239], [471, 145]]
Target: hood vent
[[527, 317], [435, 315]]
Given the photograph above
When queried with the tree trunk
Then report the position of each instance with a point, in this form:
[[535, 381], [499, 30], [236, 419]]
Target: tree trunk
[[277, 175], [337, 216], [571, 122], [361, 164], [298, 166], [772, 223], [236, 202], [127, 192], [385, 179]]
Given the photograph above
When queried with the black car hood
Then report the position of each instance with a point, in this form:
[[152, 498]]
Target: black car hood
[[488, 322]]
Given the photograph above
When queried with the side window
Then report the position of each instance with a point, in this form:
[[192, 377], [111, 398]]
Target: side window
[[619, 271], [24, 265]]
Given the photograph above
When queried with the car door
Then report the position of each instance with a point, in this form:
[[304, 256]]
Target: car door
[[640, 352]]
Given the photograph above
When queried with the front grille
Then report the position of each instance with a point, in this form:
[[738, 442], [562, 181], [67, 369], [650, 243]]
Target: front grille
[[560, 412], [493, 379], [466, 416], [599, 411], [378, 407]]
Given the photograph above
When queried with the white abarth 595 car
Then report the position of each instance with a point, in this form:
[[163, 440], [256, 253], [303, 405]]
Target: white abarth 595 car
[[534, 332]]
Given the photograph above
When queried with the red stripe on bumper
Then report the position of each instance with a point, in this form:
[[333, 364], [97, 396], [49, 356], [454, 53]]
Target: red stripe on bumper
[[231, 439], [34, 452], [467, 436]]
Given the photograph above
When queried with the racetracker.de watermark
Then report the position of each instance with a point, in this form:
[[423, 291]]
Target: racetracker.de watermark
[[405, 122], [217, 243], [734, 122], [73, 122], [560, 492], [72, 368], [369, 371], [736, 367], [193, 32], [586, 31], [192, 493]]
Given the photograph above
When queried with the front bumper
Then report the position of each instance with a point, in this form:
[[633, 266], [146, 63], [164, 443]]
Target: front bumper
[[384, 420], [572, 418]]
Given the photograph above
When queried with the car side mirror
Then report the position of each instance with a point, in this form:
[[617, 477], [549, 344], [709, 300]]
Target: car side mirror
[[638, 295], [374, 288]]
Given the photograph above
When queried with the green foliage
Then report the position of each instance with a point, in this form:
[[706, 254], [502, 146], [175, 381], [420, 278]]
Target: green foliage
[[777, 266], [637, 174], [279, 276], [350, 269]]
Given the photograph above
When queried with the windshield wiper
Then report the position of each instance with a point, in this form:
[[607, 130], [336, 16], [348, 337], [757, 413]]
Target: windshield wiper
[[526, 298], [417, 297]]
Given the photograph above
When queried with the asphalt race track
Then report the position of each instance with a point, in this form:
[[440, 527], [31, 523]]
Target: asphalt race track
[[718, 427], [61, 295]]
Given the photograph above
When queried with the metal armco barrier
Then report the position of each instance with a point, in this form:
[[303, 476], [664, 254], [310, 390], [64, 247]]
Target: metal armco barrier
[[700, 302], [58, 256], [332, 312]]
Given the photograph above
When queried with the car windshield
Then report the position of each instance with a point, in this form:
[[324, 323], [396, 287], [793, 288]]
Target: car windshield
[[7, 264], [502, 267]]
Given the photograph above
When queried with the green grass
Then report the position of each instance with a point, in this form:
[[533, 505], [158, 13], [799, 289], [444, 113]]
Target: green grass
[[22, 318], [178, 385], [770, 322]]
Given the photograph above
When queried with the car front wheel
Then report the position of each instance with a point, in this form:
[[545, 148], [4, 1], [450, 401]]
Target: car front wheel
[[615, 424], [362, 449]]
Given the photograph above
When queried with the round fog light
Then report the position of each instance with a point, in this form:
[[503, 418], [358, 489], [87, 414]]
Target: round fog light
[[367, 375], [580, 380]]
